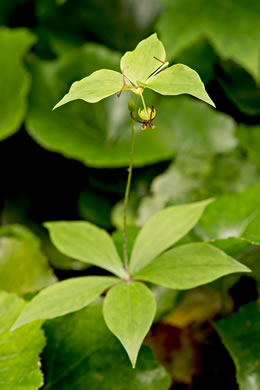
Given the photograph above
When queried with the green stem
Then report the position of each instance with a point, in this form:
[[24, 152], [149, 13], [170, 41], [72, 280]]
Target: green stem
[[127, 190], [144, 105]]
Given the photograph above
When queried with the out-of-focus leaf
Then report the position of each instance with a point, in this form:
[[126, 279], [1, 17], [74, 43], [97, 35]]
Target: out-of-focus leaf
[[63, 298], [189, 266], [235, 215], [23, 266], [132, 232], [179, 79], [200, 57], [241, 336], [235, 38], [117, 214], [118, 23], [192, 178], [99, 134], [86, 352], [19, 350], [95, 208], [86, 242], [135, 305], [197, 306], [166, 300], [15, 80], [163, 230], [240, 87], [249, 137]]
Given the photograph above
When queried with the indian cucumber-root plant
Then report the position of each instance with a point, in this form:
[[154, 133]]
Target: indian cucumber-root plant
[[129, 306]]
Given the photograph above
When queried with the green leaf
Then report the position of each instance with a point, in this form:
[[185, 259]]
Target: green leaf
[[177, 80], [23, 266], [140, 63], [82, 352], [162, 231], [240, 334], [235, 215], [86, 242], [64, 297], [181, 182], [118, 24], [249, 137], [92, 89], [236, 38], [129, 310], [19, 350], [95, 207], [99, 134], [189, 266], [14, 79]]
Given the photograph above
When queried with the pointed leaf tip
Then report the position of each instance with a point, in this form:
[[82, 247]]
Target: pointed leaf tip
[[170, 225], [86, 242], [141, 62], [129, 310], [63, 298], [93, 88], [179, 79]]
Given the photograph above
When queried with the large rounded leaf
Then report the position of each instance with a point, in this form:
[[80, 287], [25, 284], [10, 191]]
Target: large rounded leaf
[[14, 79], [19, 350], [87, 355], [240, 334], [232, 26]]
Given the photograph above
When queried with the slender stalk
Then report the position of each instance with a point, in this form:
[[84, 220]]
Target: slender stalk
[[127, 190], [144, 105]]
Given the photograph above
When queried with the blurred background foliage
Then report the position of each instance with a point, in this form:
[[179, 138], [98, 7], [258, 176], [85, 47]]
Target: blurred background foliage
[[71, 164]]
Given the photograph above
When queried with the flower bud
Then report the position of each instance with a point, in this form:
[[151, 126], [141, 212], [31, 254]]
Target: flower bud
[[131, 105], [146, 116]]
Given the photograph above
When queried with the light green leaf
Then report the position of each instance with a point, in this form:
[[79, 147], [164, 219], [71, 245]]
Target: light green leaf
[[140, 63], [92, 89], [240, 334], [19, 350], [236, 38], [63, 298], [14, 79], [177, 80], [81, 352], [129, 310], [162, 230], [236, 215], [23, 266], [86, 242], [189, 266], [99, 134]]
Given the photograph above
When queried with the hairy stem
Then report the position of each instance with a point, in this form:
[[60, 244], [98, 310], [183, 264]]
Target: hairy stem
[[127, 190]]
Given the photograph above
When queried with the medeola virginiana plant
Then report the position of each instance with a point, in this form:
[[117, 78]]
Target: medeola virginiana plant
[[129, 306]]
